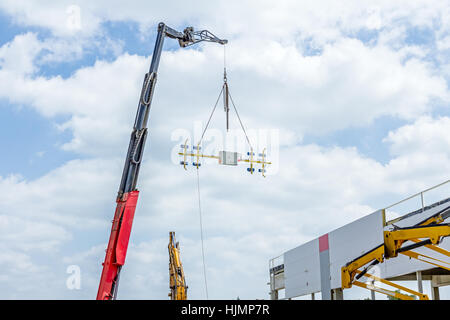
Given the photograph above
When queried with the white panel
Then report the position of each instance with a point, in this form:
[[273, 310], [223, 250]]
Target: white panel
[[302, 270], [351, 241], [302, 264], [279, 281]]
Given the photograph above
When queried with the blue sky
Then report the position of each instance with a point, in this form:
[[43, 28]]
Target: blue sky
[[359, 97]]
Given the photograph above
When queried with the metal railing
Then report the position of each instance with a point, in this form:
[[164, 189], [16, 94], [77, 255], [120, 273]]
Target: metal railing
[[423, 206], [274, 263]]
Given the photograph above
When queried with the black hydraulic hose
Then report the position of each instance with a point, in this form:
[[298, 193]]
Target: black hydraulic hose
[[414, 245], [362, 273]]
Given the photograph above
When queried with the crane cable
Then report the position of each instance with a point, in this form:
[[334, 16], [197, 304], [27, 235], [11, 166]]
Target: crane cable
[[232, 102], [201, 235], [198, 188], [227, 91], [239, 118], [207, 124], [198, 176]]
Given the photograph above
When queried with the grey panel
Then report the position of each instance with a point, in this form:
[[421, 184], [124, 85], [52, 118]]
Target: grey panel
[[228, 158], [325, 285]]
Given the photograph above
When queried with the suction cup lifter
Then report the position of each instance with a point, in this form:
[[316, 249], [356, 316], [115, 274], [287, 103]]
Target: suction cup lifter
[[227, 158]]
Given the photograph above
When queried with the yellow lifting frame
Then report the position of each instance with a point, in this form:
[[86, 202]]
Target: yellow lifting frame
[[184, 154], [256, 161], [424, 258], [349, 271], [433, 247], [393, 240], [388, 292], [263, 162], [199, 155], [434, 220]]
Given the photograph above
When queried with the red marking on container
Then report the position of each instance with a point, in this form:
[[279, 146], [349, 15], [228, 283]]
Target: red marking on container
[[323, 243]]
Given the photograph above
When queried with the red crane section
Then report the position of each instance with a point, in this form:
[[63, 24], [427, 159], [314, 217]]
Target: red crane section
[[118, 244]]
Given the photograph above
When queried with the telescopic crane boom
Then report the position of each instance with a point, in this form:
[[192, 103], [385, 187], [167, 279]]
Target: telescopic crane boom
[[178, 287], [128, 194]]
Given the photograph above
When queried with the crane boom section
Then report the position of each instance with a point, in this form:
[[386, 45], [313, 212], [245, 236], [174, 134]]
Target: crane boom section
[[178, 287]]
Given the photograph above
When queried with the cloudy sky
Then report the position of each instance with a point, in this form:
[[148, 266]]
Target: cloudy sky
[[353, 98]]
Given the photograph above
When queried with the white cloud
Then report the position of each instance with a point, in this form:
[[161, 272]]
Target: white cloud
[[17, 56], [59, 196], [29, 234], [425, 135], [349, 84], [247, 219], [280, 19], [55, 16]]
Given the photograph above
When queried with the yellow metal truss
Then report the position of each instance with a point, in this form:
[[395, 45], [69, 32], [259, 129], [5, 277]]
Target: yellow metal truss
[[429, 234], [178, 287]]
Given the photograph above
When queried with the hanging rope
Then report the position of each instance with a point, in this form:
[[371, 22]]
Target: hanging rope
[[198, 191], [214, 109], [224, 91], [239, 118], [224, 57], [201, 234], [229, 95]]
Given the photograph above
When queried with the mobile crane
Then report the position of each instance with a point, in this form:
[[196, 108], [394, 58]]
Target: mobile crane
[[432, 229], [178, 287], [128, 193]]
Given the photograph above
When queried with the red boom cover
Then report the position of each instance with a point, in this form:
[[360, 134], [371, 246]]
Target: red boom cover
[[118, 242]]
